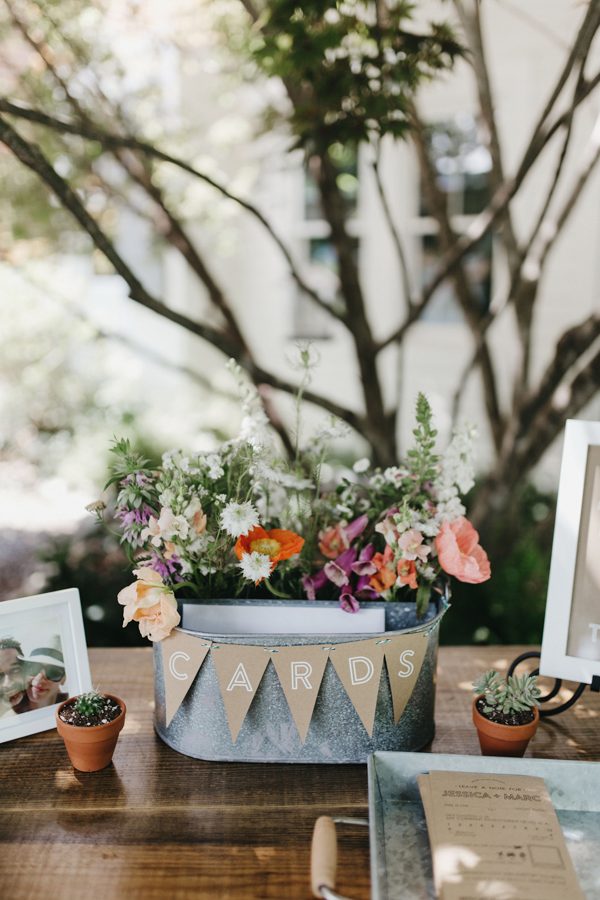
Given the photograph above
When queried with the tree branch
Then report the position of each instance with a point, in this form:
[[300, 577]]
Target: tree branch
[[396, 236], [541, 135], [471, 23], [437, 203], [33, 159], [112, 141]]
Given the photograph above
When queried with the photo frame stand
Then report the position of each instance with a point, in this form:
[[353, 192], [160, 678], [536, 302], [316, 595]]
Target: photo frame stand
[[552, 693]]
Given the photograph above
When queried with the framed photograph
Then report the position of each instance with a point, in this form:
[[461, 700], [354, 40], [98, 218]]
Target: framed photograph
[[571, 641], [43, 660]]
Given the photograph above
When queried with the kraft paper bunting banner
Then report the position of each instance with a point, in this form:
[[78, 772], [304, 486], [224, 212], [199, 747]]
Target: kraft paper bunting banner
[[358, 665], [182, 656], [239, 668], [300, 672], [404, 658]]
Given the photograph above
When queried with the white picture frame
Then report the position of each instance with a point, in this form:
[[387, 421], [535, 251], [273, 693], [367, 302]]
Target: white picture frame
[[571, 638], [49, 634]]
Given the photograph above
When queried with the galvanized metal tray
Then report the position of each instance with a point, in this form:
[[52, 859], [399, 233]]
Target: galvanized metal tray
[[400, 854]]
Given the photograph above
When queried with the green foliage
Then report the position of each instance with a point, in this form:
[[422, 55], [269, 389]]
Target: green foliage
[[511, 695], [422, 457], [89, 705], [351, 67]]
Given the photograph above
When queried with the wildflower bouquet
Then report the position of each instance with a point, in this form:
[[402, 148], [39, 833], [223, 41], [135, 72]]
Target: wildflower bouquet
[[244, 522]]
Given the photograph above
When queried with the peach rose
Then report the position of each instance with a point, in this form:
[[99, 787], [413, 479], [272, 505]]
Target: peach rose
[[150, 603], [460, 553]]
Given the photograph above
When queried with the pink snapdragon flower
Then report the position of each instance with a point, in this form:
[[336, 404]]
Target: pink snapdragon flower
[[412, 546]]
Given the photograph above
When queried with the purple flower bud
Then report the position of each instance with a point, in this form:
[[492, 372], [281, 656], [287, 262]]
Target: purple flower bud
[[348, 602]]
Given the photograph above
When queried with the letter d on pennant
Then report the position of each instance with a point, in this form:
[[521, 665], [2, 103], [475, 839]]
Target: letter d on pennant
[[358, 666], [358, 663]]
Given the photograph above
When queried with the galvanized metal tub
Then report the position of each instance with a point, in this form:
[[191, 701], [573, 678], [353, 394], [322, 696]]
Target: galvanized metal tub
[[336, 734]]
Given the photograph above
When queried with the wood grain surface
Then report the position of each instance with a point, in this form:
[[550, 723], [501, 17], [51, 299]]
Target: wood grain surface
[[160, 825]]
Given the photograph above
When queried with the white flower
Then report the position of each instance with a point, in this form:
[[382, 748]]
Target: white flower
[[361, 465], [166, 527], [215, 469], [255, 566], [167, 497], [239, 518]]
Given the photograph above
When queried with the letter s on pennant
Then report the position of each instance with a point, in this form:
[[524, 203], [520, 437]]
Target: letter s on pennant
[[408, 666]]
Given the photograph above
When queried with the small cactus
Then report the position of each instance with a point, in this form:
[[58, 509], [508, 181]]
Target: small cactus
[[511, 695], [90, 704]]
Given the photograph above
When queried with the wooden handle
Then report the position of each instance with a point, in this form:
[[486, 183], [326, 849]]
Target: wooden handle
[[323, 855]]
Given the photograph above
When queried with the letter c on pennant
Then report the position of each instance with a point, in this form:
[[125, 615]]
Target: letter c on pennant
[[175, 657], [300, 672], [408, 666], [355, 676]]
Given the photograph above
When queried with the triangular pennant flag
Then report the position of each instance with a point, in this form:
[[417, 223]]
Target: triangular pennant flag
[[404, 657], [300, 671], [182, 656], [358, 665], [239, 669]]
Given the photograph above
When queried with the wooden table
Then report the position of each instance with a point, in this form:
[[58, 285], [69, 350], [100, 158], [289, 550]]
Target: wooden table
[[160, 825]]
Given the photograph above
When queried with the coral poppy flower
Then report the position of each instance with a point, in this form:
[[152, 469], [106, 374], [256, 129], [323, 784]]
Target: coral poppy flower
[[460, 554], [277, 544]]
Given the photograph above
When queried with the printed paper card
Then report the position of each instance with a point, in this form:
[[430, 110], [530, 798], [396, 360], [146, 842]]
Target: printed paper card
[[240, 669], [182, 656], [403, 658], [300, 672], [358, 665], [495, 836]]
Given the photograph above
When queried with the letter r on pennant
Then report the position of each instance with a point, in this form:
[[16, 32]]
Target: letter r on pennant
[[300, 674], [360, 662], [240, 679]]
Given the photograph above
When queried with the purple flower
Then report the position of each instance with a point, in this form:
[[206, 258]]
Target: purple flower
[[166, 568], [348, 602], [314, 583], [356, 527], [363, 565], [339, 570]]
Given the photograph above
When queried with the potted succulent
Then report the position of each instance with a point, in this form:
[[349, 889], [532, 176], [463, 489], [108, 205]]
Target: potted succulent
[[505, 713], [90, 725]]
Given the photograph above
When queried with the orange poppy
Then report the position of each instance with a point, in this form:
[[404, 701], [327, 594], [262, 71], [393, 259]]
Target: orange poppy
[[277, 543]]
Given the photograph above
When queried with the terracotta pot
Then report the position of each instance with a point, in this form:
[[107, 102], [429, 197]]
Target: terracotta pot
[[503, 740], [91, 749]]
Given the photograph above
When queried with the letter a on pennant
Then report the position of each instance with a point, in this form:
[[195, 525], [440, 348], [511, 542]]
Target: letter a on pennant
[[300, 672], [182, 656], [404, 657], [240, 669], [358, 665]]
